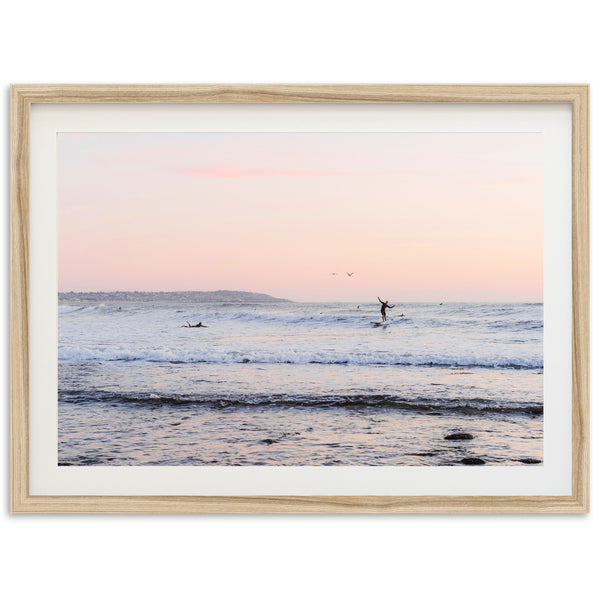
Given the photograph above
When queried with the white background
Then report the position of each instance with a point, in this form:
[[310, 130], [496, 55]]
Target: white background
[[255, 556]]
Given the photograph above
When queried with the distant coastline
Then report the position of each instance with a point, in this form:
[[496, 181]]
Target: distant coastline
[[185, 296]]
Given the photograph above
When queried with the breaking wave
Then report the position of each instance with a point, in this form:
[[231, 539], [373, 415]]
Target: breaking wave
[[300, 357], [345, 401]]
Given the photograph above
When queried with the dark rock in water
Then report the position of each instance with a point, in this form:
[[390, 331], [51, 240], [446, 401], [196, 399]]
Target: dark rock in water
[[269, 441], [246, 360], [530, 461], [459, 436], [473, 461]]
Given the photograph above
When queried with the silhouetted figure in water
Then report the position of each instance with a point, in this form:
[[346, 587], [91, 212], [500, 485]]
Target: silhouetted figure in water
[[190, 325], [384, 305]]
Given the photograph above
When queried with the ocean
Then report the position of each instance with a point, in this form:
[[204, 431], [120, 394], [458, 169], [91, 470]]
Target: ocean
[[290, 383]]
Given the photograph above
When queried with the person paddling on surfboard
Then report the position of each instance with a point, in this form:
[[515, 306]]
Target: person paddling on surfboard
[[190, 325], [384, 305]]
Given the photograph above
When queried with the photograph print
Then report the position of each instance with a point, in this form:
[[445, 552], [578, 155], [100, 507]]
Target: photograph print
[[300, 299]]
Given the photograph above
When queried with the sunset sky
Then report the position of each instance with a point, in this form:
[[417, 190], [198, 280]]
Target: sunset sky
[[419, 216]]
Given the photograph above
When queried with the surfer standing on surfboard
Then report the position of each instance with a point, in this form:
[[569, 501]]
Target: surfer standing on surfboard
[[384, 305]]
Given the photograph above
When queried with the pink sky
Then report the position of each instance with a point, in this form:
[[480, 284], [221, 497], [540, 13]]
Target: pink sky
[[415, 216]]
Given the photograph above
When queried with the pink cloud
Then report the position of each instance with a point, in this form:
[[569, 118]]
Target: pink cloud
[[228, 172]]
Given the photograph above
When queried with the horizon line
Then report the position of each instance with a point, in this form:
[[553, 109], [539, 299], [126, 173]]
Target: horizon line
[[276, 298]]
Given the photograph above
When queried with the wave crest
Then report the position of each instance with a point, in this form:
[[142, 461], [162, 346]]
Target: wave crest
[[304, 357], [349, 401]]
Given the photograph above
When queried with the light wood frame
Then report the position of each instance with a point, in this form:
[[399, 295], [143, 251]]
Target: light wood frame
[[22, 96]]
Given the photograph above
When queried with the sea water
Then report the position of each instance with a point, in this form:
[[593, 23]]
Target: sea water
[[288, 383]]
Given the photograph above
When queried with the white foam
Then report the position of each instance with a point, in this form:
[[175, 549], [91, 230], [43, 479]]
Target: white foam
[[154, 354]]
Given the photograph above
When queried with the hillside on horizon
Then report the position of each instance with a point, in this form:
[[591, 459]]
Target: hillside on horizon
[[183, 296]]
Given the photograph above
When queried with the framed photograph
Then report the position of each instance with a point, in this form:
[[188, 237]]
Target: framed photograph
[[299, 298]]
